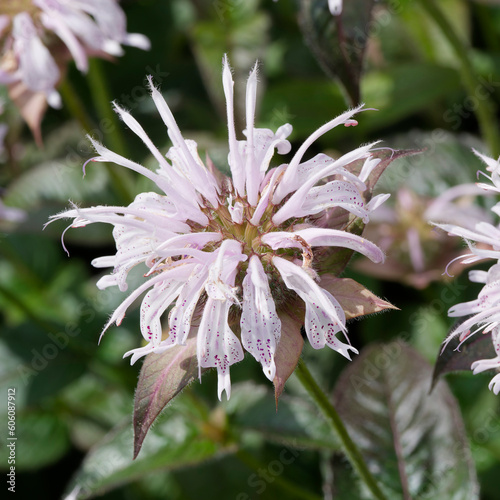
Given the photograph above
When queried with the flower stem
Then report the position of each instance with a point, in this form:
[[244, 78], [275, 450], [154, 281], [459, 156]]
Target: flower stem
[[349, 447], [485, 111]]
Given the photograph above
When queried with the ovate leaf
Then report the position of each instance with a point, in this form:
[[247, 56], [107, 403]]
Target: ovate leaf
[[162, 377], [338, 42], [175, 442], [454, 358], [412, 441]]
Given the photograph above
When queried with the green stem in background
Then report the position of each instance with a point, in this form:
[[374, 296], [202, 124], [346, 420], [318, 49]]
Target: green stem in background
[[74, 105], [120, 179], [110, 126], [292, 490], [102, 103], [349, 447], [488, 26], [485, 111]]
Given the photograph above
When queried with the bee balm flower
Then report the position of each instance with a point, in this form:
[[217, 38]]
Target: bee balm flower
[[484, 312], [227, 256], [32, 32]]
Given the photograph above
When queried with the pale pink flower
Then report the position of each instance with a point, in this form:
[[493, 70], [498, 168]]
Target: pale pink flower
[[27, 43], [215, 249], [483, 242], [416, 252]]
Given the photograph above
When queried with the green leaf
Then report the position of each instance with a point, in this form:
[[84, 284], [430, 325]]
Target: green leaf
[[243, 37], [454, 358], [301, 102], [297, 422], [175, 442], [162, 377], [338, 42], [59, 180], [355, 299], [49, 363], [413, 441], [406, 90]]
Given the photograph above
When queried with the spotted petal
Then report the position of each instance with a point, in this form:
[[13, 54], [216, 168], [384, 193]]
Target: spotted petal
[[260, 325], [324, 316], [218, 347]]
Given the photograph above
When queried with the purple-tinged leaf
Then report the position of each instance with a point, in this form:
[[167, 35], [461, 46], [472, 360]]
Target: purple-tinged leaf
[[413, 441], [338, 42], [288, 350], [162, 377], [386, 156], [355, 299], [454, 359]]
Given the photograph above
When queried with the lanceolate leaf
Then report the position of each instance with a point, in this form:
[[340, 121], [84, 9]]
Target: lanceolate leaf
[[413, 441], [162, 377], [355, 299], [454, 359], [338, 42]]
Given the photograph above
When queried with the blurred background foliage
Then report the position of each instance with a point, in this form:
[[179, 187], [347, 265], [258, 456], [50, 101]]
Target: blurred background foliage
[[74, 398]]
